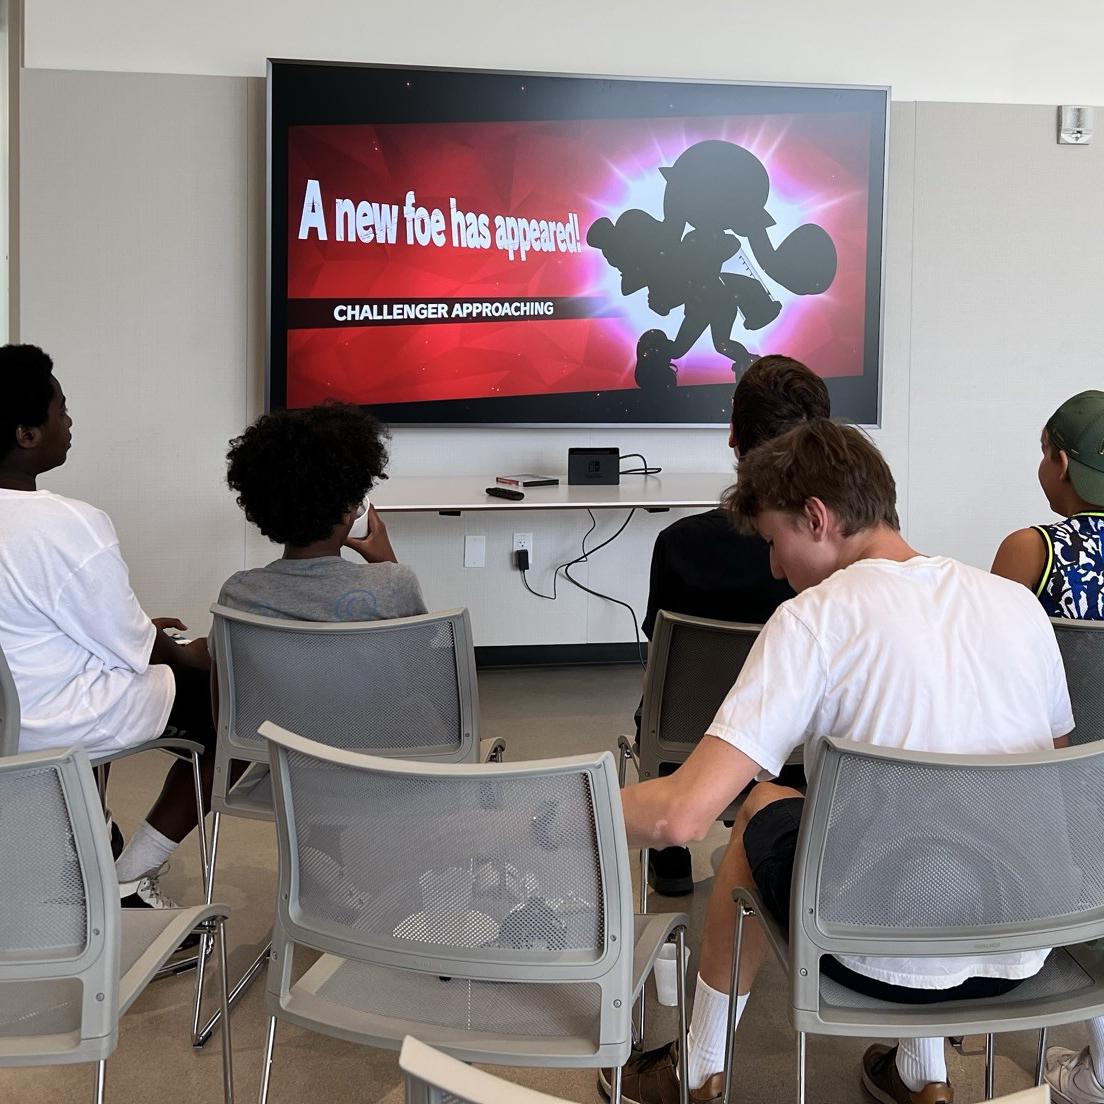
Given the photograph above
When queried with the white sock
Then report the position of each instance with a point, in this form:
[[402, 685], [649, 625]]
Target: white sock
[[145, 851], [708, 1025], [1096, 1046], [921, 1061]]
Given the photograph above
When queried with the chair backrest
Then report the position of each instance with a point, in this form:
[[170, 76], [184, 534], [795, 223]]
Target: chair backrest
[[405, 686], [906, 853], [10, 717], [692, 664], [59, 913], [1082, 646], [433, 1077], [488, 872]]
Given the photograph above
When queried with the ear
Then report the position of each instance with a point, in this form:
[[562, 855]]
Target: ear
[[1063, 465], [28, 437], [732, 442], [817, 517]]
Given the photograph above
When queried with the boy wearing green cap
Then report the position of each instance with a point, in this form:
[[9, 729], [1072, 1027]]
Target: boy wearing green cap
[[1063, 564]]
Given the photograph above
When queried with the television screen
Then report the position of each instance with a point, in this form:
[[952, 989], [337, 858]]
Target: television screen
[[454, 246]]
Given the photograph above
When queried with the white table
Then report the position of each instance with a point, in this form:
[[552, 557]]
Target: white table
[[453, 494]]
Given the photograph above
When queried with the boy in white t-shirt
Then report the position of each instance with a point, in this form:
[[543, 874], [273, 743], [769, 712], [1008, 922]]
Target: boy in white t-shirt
[[89, 666], [881, 645]]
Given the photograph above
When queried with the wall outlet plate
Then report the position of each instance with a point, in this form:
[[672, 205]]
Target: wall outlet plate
[[523, 540], [475, 551]]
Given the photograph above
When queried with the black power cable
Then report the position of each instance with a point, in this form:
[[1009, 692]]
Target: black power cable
[[646, 470], [522, 559]]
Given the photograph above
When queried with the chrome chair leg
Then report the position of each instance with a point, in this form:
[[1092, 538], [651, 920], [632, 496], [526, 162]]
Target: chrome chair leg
[[224, 985], [236, 993], [615, 1086], [683, 1044], [988, 1067], [101, 1075], [204, 944], [1040, 1058], [201, 822], [270, 1044], [734, 981], [801, 1067]]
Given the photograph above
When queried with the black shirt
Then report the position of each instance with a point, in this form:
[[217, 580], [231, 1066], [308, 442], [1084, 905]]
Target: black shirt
[[703, 567]]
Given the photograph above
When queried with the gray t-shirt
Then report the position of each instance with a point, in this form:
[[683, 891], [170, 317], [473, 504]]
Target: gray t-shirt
[[326, 588]]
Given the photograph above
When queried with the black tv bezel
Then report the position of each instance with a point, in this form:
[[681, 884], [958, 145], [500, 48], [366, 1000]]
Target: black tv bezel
[[294, 90]]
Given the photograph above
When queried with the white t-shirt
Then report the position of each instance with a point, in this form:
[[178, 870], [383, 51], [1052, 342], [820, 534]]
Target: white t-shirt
[[928, 654], [72, 631]]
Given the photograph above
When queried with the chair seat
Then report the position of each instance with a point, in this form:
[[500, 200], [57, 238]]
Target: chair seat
[[150, 937], [378, 1006], [1066, 989], [41, 1019]]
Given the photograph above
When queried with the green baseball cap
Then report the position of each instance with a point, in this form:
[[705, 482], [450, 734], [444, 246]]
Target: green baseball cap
[[1077, 428]]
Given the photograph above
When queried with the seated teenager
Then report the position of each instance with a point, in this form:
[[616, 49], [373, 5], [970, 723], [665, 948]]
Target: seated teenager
[[89, 666], [1063, 565], [301, 477], [860, 653], [704, 567]]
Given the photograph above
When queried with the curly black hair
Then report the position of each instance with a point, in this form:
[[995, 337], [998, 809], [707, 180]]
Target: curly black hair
[[25, 391], [297, 472]]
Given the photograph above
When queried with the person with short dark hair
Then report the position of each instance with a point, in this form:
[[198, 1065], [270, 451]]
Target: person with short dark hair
[[861, 653], [301, 476], [1062, 564], [704, 567], [89, 666]]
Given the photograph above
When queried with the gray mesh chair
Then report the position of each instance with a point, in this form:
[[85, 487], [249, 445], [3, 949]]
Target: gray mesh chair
[[434, 1078], [910, 854], [484, 908], [404, 687], [71, 961], [1082, 646], [174, 745], [692, 664]]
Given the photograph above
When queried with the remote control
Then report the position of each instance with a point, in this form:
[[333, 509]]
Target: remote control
[[505, 492]]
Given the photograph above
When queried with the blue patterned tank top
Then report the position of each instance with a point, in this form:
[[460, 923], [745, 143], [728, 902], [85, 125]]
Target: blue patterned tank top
[[1072, 584]]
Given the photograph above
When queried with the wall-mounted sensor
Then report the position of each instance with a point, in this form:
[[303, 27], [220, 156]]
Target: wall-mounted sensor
[[1075, 126]]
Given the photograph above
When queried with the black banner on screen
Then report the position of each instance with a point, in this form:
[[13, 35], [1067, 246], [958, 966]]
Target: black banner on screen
[[316, 314]]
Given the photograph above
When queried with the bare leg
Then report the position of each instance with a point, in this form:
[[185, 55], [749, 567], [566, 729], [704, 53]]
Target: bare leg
[[720, 918]]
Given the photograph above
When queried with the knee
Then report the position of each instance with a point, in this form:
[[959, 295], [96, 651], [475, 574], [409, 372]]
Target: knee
[[758, 798]]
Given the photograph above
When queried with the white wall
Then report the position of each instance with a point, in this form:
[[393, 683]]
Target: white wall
[[984, 51], [141, 223]]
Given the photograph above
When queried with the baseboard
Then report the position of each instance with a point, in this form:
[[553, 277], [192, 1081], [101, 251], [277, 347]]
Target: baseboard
[[559, 655]]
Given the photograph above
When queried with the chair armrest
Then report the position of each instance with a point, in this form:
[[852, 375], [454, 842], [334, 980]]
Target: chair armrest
[[174, 745], [650, 933], [627, 746], [492, 751]]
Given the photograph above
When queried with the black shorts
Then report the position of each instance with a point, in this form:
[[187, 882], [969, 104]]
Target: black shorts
[[770, 843]]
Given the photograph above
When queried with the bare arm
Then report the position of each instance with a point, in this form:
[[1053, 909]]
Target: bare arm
[[671, 811], [1021, 558]]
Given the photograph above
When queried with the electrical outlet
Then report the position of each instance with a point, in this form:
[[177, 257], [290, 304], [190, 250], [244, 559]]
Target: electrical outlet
[[523, 540]]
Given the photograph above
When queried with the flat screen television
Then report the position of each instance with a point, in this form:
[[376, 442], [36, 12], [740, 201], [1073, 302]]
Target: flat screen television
[[451, 246]]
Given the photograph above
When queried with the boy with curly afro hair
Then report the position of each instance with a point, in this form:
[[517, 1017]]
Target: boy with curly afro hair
[[301, 477]]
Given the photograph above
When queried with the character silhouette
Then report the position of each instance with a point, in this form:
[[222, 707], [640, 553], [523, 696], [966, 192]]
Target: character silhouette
[[719, 190]]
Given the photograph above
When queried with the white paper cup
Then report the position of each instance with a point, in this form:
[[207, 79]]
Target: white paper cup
[[664, 970], [360, 527]]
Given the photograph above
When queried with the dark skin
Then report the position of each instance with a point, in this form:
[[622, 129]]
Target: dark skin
[[39, 449]]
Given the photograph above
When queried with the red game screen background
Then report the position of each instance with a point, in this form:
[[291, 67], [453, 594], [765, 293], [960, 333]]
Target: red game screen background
[[819, 167]]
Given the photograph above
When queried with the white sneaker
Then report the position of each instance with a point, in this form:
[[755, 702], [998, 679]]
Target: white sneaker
[[1071, 1076], [145, 892]]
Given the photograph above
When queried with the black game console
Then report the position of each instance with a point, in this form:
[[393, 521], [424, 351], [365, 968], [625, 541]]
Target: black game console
[[594, 467]]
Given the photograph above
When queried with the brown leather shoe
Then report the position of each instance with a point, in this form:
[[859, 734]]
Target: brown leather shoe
[[652, 1078], [881, 1079]]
